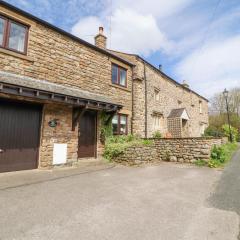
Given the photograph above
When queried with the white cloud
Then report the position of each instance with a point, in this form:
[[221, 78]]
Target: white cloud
[[157, 8], [213, 68], [137, 33], [134, 25], [23, 2], [87, 28]]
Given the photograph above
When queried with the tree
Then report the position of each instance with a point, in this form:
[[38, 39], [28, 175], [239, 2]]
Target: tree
[[218, 104], [218, 112]]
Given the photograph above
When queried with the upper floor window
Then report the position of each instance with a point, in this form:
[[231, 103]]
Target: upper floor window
[[200, 107], [179, 103], [156, 94], [119, 124], [119, 75], [13, 35]]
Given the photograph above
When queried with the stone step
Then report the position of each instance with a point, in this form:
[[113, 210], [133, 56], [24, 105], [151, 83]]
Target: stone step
[[91, 162]]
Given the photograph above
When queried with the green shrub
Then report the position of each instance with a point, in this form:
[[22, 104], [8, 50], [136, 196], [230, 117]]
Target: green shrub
[[147, 142], [157, 134], [226, 131], [220, 155], [200, 163], [213, 131], [214, 163], [116, 145]]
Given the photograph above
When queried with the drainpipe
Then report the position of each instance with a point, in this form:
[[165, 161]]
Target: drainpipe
[[146, 98], [132, 102]]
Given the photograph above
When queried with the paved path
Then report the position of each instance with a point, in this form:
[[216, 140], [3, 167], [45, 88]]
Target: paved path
[[165, 202], [227, 193]]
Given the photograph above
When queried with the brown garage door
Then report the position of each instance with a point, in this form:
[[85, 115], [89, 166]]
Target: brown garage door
[[19, 135]]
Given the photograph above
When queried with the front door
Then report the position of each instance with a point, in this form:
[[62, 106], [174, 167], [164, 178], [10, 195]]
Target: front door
[[19, 135], [87, 135]]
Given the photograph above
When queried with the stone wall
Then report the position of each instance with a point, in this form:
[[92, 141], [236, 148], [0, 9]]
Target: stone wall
[[137, 155], [184, 150]]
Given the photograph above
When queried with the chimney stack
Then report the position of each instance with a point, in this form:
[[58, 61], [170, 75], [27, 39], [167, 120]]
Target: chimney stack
[[185, 84], [100, 39]]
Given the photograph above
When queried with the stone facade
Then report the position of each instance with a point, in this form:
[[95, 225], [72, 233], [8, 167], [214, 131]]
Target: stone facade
[[54, 56], [172, 95], [184, 150], [61, 134], [60, 59]]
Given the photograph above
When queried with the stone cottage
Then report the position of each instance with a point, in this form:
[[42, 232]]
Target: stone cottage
[[162, 104], [55, 89]]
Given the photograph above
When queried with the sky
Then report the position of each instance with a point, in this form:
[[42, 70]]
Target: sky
[[194, 40]]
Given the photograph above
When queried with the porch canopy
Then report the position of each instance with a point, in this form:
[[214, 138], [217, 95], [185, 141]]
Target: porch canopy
[[179, 113], [43, 90]]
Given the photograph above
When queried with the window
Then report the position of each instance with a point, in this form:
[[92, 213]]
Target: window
[[119, 75], [119, 124], [203, 127], [200, 107], [157, 122], [13, 35], [156, 95], [2, 28]]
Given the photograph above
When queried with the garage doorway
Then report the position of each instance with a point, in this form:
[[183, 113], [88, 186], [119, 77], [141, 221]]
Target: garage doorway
[[19, 135]]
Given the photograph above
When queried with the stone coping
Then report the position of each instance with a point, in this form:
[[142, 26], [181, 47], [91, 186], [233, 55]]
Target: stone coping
[[185, 138]]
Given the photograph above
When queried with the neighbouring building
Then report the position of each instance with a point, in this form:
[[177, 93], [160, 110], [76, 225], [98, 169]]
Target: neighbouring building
[[55, 89], [162, 104]]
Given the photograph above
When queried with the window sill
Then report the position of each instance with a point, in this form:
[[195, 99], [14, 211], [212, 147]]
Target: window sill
[[117, 86], [15, 54]]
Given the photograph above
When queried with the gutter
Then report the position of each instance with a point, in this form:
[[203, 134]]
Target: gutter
[[132, 102]]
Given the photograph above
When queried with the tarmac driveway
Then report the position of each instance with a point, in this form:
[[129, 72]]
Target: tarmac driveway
[[164, 202]]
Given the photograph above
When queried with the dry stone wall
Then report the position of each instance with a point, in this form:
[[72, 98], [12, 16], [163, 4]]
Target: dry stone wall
[[184, 150], [137, 155]]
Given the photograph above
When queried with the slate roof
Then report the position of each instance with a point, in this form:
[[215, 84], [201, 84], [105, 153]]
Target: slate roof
[[22, 81], [176, 113], [160, 71]]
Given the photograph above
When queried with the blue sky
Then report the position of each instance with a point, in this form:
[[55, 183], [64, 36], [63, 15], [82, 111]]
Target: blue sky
[[195, 40]]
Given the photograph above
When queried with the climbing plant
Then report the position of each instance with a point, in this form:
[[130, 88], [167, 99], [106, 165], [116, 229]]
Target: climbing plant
[[106, 126]]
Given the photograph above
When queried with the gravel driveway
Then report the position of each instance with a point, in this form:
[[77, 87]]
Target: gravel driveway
[[164, 202]]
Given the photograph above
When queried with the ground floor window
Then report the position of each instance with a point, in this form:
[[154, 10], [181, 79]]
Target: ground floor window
[[157, 121], [119, 124]]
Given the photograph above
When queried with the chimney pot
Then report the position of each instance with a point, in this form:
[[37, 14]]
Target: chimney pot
[[100, 39], [101, 29]]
